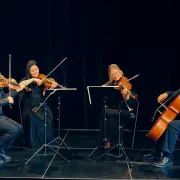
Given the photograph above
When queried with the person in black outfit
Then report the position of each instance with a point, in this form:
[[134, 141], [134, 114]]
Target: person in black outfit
[[162, 154], [128, 109], [34, 122], [9, 129]]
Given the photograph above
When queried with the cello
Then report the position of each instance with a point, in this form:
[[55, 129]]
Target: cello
[[168, 115]]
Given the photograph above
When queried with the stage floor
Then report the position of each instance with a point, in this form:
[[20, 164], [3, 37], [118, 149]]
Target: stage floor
[[83, 167]]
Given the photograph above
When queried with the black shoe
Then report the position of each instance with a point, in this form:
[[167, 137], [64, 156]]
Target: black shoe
[[1, 162], [152, 156], [5, 158], [165, 161]]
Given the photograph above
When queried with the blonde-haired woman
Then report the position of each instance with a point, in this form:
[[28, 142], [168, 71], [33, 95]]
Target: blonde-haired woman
[[128, 107]]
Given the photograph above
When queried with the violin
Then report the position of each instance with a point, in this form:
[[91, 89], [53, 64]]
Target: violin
[[123, 83], [48, 81], [5, 82]]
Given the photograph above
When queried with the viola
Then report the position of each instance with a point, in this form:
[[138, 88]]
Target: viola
[[123, 83], [5, 82], [48, 81]]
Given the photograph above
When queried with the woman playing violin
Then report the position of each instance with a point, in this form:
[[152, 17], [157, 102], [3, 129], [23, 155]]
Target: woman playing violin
[[162, 154], [116, 76], [33, 122]]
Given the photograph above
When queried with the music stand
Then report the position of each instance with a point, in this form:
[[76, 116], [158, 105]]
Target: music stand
[[59, 99], [52, 91], [114, 97]]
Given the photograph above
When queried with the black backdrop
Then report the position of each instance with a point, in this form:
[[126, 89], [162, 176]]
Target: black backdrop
[[142, 38]]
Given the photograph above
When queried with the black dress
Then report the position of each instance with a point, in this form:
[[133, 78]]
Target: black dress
[[34, 122]]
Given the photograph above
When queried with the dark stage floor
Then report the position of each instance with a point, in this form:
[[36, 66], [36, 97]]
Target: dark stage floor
[[82, 167]]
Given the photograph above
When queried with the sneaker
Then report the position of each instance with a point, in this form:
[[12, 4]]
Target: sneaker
[[152, 156], [5, 158], [165, 161], [1, 162], [149, 156]]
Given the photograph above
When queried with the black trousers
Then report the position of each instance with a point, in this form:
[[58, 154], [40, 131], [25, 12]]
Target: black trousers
[[9, 130], [109, 124], [167, 141]]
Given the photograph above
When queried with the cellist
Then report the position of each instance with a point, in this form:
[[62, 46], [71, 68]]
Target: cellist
[[164, 148]]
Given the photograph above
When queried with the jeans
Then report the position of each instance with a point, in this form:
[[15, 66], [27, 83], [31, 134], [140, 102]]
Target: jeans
[[9, 130], [168, 140]]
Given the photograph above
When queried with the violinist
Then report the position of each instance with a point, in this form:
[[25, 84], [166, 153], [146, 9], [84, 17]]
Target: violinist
[[127, 113], [9, 129], [31, 98], [164, 148]]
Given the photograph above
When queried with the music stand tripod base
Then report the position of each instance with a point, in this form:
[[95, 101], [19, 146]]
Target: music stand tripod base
[[98, 146], [49, 144], [59, 139], [108, 93]]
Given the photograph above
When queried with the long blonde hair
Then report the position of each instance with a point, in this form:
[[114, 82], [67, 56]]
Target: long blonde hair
[[114, 66]]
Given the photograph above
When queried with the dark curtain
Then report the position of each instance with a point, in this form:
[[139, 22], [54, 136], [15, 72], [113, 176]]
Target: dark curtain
[[142, 38]]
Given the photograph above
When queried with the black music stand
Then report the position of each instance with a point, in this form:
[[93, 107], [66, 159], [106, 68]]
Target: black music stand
[[112, 97], [58, 139], [49, 92]]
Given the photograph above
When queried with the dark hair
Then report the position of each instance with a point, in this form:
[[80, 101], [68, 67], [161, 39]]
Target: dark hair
[[28, 66]]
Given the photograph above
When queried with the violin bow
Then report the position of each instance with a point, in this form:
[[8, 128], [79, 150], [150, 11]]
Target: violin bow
[[55, 68], [9, 84], [46, 77], [132, 77]]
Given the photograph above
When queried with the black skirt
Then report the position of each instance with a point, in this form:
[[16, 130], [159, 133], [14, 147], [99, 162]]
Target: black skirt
[[112, 125], [34, 130]]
